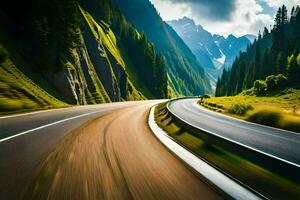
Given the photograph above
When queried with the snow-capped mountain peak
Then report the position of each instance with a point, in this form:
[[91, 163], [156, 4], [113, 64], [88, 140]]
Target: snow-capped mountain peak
[[214, 52]]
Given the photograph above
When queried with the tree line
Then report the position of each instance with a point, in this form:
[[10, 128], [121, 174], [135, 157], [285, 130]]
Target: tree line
[[148, 64], [274, 52]]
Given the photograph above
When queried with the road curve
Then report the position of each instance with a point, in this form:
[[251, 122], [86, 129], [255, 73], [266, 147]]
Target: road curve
[[112, 155], [27, 139], [279, 143]]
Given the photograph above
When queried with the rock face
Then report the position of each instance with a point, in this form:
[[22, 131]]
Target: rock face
[[214, 52]]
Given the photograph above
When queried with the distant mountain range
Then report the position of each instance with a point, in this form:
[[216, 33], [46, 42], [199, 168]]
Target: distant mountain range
[[214, 52]]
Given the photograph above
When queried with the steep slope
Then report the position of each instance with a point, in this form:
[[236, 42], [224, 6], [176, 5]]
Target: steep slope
[[215, 52], [22, 94], [77, 53], [186, 75], [274, 53]]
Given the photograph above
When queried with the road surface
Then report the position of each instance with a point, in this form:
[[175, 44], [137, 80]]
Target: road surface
[[279, 143], [93, 152]]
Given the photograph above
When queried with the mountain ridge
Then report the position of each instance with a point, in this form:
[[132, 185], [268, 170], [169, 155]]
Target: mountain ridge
[[214, 51]]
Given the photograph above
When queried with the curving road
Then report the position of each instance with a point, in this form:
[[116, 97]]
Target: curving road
[[92, 152], [279, 143]]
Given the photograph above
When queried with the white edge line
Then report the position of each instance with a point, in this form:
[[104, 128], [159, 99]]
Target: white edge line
[[51, 124], [31, 113], [235, 142], [229, 186], [247, 122]]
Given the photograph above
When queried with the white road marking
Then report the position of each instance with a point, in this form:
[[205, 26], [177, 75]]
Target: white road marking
[[51, 124], [30, 113], [196, 105]]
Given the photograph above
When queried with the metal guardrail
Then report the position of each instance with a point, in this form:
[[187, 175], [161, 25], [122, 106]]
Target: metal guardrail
[[280, 166]]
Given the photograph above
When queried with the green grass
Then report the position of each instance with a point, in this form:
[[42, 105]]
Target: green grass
[[262, 180], [132, 94], [19, 93], [104, 36], [281, 109]]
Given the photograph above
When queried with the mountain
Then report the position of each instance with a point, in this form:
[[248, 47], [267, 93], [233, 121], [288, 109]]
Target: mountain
[[185, 74], [74, 52], [215, 52], [251, 37], [273, 58]]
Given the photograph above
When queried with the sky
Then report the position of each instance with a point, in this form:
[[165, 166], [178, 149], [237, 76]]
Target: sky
[[224, 17]]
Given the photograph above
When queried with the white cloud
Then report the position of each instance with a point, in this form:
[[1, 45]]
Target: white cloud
[[278, 3], [246, 18], [169, 11]]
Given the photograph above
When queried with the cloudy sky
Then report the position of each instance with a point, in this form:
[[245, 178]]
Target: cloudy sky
[[224, 16]]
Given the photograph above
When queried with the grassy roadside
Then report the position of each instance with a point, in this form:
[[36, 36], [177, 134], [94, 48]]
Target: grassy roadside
[[262, 180], [281, 110]]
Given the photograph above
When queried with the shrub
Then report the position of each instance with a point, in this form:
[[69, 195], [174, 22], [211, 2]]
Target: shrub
[[275, 81], [212, 104], [266, 117], [281, 80], [271, 82], [260, 86], [240, 109]]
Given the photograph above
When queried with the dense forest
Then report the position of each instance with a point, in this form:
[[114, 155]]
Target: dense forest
[[186, 76], [273, 60], [79, 52], [148, 64]]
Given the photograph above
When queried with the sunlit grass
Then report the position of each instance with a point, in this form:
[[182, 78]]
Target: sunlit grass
[[105, 37], [281, 110]]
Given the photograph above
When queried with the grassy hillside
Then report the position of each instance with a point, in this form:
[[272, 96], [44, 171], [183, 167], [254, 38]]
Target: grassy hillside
[[18, 92], [279, 109]]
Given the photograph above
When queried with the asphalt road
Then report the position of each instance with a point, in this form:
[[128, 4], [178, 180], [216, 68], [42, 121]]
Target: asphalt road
[[93, 152], [279, 143]]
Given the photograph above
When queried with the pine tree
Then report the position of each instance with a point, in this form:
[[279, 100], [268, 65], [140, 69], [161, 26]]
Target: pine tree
[[293, 15], [259, 35], [280, 64], [257, 63], [266, 32], [284, 15], [278, 19]]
